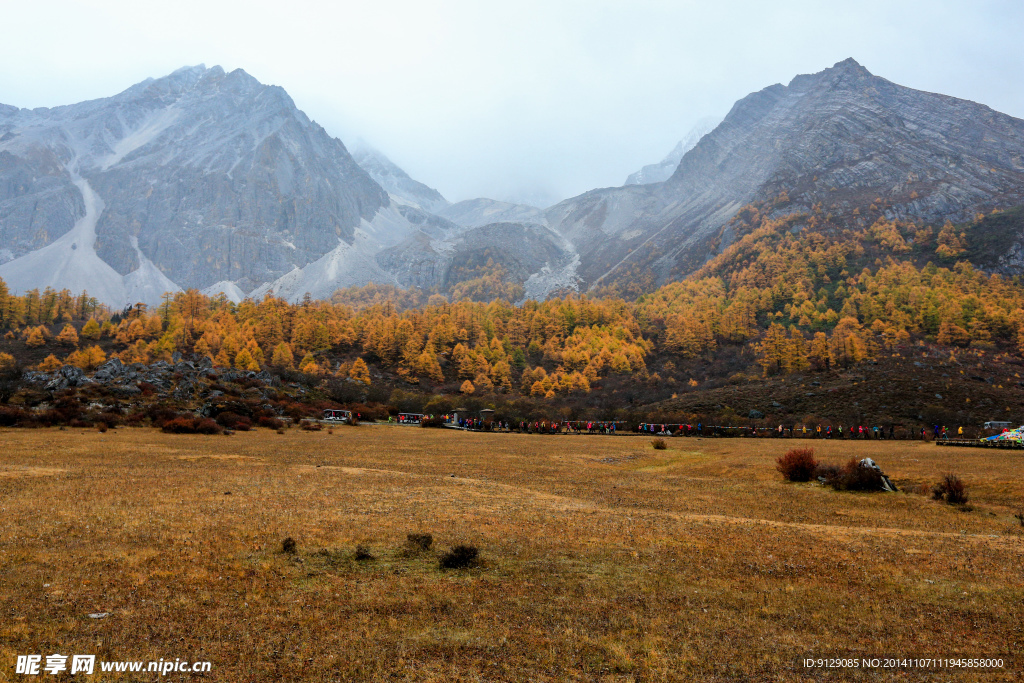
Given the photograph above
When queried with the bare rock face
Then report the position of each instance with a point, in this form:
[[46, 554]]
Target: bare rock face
[[841, 137], [402, 188], [199, 177]]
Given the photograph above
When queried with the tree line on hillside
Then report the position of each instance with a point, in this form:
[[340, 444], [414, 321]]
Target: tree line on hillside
[[797, 291]]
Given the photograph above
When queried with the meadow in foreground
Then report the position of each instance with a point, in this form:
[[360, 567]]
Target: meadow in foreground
[[602, 558]]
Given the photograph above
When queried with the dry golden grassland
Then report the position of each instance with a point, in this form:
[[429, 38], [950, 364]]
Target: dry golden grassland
[[603, 559]]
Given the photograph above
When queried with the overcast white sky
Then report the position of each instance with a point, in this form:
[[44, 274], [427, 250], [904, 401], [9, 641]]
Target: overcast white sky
[[511, 99]]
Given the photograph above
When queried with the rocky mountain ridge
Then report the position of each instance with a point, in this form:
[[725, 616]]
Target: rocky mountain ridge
[[213, 180], [842, 138], [398, 184], [200, 179]]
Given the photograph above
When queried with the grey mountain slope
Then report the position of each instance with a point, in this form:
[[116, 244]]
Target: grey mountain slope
[[208, 176], [841, 137], [397, 182], [213, 180], [474, 213], [663, 170], [532, 255]]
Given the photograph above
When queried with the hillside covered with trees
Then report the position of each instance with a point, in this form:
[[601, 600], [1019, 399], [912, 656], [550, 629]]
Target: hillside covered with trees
[[792, 294]]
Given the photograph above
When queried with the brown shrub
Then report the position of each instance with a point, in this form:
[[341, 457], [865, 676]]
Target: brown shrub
[[659, 444], [159, 414], [827, 472], [297, 411], [419, 542], [851, 477], [951, 488], [310, 426], [460, 557], [12, 417], [363, 554], [270, 422], [189, 424], [798, 464], [289, 546], [234, 421]]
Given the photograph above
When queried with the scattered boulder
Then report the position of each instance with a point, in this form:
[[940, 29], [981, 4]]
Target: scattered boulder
[[109, 371], [185, 389], [886, 484], [215, 408], [185, 368], [864, 475], [755, 414], [67, 376]]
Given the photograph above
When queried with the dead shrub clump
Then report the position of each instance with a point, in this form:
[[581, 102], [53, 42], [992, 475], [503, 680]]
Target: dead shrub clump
[[798, 464], [234, 421], [460, 557], [659, 444], [951, 489], [188, 424], [270, 422], [419, 542], [1020, 516], [310, 426], [851, 477], [289, 546], [363, 554]]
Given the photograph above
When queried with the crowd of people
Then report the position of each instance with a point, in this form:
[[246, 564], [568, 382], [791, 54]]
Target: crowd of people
[[818, 431], [790, 431], [804, 431], [536, 426]]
